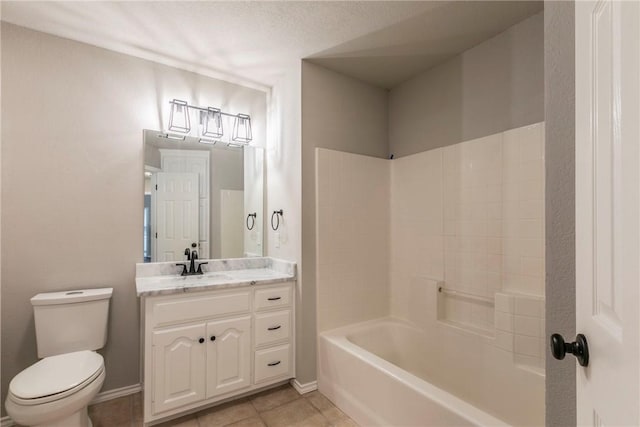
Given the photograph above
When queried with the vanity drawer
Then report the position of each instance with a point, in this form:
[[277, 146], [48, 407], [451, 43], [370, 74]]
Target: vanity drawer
[[272, 362], [179, 310], [272, 327], [272, 297]]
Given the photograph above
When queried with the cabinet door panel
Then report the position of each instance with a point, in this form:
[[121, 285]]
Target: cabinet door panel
[[228, 356], [178, 367]]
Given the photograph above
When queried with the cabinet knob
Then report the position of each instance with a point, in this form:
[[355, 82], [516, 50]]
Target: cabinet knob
[[201, 340], [213, 337]]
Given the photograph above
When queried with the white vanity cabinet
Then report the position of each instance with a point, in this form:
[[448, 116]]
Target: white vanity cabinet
[[203, 347]]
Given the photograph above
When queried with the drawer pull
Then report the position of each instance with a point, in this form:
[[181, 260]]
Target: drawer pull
[[273, 328], [201, 340], [273, 363], [213, 337], [274, 298]]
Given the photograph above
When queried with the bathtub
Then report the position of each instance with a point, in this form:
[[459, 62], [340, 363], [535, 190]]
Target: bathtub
[[387, 372]]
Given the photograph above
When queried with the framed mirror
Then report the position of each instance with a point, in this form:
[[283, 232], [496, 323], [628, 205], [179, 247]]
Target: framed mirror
[[202, 197]]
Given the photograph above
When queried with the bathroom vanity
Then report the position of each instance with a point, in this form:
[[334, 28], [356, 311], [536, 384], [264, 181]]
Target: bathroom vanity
[[207, 338]]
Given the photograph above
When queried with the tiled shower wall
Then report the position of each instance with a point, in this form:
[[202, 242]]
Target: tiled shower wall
[[352, 238], [494, 210], [470, 215], [417, 231]]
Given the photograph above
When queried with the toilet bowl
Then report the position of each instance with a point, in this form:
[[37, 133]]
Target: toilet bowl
[[55, 391]]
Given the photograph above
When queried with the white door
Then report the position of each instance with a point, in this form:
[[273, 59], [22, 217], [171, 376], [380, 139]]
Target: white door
[[178, 367], [176, 226], [193, 161], [607, 210], [228, 355]]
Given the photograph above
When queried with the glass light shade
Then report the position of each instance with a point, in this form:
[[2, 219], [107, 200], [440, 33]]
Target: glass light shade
[[212, 123], [242, 128], [179, 118]]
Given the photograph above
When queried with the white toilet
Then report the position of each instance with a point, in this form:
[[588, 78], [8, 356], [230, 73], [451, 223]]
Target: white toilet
[[56, 391]]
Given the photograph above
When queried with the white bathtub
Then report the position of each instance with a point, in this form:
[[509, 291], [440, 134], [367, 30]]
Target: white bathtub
[[386, 372]]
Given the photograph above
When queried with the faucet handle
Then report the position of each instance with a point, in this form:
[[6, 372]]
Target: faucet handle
[[200, 267], [184, 268], [188, 254]]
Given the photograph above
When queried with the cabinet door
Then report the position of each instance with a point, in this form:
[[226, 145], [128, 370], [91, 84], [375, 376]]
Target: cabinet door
[[228, 355], [178, 366]]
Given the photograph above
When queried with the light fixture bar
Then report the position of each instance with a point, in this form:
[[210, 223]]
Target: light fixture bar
[[194, 107]]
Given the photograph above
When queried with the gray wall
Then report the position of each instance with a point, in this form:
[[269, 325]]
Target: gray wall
[[72, 179], [559, 38], [339, 113], [495, 86]]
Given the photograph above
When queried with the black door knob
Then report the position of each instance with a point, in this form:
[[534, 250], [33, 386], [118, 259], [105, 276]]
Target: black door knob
[[213, 337], [201, 340], [578, 348]]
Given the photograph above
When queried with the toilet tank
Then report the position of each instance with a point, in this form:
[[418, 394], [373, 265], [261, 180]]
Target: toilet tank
[[71, 321]]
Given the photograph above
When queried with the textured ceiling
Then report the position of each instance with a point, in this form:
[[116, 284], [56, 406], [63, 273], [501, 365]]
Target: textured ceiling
[[382, 42]]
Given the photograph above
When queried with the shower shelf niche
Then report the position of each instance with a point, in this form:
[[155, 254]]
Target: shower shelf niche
[[469, 312]]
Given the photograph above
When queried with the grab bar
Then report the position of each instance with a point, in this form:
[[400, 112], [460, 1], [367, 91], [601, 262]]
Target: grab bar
[[459, 294]]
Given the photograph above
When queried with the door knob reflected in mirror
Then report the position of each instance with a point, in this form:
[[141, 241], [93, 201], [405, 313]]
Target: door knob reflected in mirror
[[579, 348]]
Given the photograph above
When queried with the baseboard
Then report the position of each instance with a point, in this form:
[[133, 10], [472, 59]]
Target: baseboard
[[304, 388], [116, 393], [100, 397]]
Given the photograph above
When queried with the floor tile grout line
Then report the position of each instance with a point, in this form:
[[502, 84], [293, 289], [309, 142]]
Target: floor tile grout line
[[133, 422]]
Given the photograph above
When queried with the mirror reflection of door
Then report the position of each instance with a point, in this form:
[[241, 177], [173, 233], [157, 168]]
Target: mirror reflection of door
[[176, 218], [193, 161]]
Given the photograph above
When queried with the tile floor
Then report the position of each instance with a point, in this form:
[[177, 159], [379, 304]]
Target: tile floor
[[278, 407]]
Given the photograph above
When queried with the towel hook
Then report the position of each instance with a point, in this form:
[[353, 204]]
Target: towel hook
[[277, 215], [252, 217]]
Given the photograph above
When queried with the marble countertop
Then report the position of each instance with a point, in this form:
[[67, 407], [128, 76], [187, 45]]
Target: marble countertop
[[162, 278]]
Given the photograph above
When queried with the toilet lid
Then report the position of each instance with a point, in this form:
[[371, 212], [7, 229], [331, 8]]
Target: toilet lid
[[56, 374]]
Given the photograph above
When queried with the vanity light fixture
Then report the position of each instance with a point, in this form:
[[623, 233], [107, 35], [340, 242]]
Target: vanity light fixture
[[242, 129], [207, 141], [210, 121], [179, 118]]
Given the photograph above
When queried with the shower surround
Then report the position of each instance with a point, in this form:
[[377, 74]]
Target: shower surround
[[451, 241]]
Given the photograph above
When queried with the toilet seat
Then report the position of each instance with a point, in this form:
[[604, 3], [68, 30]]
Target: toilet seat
[[55, 377]]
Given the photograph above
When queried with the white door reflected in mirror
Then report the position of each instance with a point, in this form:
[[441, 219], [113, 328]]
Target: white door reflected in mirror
[[176, 198]]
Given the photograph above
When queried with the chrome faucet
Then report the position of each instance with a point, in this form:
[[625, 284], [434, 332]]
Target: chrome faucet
[[193, 269]]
